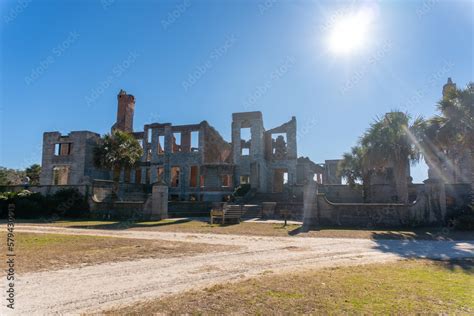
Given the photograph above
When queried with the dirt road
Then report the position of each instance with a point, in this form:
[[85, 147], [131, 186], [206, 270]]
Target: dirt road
[[98, 287]]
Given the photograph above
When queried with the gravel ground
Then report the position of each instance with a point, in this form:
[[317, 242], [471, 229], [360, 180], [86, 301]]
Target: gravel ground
[[103, 286]]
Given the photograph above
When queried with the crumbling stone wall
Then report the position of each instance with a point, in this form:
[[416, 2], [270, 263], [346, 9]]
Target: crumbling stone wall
[[212, 150], [252, 165], [78, 159], [428, 209], [171, 157]]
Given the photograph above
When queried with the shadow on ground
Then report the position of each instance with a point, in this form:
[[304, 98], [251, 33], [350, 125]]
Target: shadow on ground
[[114, 225], [130, 224], [450, 254], [452, 249]]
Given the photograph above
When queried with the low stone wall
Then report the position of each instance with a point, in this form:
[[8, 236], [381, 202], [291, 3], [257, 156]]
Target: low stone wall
[[102, 191], [429, 209], [294, 211], [342, 193], [362, 214], [128, 210], [133, 202]]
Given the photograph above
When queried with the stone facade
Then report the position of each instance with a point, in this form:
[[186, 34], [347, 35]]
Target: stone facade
[[68, 159], [195, 165], [194, 161]]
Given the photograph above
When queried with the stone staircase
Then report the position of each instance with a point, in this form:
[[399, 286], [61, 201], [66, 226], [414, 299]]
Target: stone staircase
[[283, 202]]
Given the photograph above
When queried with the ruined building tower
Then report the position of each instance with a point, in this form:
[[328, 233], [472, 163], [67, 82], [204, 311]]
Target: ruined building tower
[[125, 110], [449, 86]]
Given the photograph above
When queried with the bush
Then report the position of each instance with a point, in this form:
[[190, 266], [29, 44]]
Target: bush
[[465, 220], [27, 204], [70, 203], [64, 203]]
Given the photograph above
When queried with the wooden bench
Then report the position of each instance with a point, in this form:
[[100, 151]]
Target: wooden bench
[[227, 213]]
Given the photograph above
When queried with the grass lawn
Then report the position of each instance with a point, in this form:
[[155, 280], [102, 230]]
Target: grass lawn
[[39, 252], [268, 229], [414, 286]]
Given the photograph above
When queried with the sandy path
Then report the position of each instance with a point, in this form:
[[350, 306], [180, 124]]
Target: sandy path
[[93, 288]]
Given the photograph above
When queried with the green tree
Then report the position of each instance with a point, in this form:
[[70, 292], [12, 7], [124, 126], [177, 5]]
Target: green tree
[[116, 151], [390, 141], [448, 138], [355, 170], [11, 176], [456, 122], [33, 172]]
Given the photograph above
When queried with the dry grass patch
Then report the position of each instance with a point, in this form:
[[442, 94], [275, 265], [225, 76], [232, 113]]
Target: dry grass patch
[[39, 252], [268, 229], [183, 226], [400, 288]]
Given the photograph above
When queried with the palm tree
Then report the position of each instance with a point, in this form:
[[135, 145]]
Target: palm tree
[[353, 167], [457, 113], [448, 138], [117, 151], [33, 172], [389, 142]]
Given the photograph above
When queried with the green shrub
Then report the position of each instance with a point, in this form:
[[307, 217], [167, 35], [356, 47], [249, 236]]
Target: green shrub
[[64, 203], [465, 220], [27, 204], [70, 203], [30, 206]]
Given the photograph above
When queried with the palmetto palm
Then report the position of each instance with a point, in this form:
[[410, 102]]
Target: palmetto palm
[[117, 151], [449, 137], [389, 142], [355, 169], [456, 122]]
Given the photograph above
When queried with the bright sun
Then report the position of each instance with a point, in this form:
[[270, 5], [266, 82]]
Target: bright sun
[[350, 32]]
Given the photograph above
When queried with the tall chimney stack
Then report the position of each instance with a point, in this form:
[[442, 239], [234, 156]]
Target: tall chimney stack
[[125, 110]]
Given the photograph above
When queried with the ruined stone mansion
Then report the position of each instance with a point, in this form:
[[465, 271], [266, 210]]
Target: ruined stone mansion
[[194, 160], [185, 168]]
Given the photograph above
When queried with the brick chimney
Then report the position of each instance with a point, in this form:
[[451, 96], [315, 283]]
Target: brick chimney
[[125, 110]]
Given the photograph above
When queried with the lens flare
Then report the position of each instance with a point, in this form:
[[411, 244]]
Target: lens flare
[[350, 32]]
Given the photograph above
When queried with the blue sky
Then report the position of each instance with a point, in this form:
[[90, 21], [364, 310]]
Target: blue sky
[[63, 63]]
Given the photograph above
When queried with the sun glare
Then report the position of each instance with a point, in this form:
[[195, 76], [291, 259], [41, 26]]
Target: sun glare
[[350, 32]]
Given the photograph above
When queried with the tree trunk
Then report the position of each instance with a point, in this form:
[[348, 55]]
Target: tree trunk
[[116, 179]]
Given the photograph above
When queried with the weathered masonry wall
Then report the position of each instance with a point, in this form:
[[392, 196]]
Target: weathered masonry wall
[[193, 160], [268, 160], [216, 149], [330, 175], [72, 155], [428, 209], [249, 155], [281, 155], [171, 157]]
